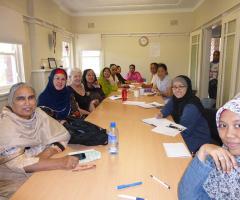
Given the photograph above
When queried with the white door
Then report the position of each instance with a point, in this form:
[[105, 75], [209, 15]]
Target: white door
[[229, 59], [195, 59]]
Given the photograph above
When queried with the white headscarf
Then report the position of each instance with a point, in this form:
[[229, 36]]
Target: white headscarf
[[19, 132]]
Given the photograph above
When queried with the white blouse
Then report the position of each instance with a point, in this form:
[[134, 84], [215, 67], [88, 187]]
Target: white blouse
[[163, 85]]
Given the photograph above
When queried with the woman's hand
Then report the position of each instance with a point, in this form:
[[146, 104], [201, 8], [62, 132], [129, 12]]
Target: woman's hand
[[83, 167], [93, 104], [223, 159], [69, 162], [159, 115]]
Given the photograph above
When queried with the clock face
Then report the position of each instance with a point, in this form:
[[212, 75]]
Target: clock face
[[143, 41]]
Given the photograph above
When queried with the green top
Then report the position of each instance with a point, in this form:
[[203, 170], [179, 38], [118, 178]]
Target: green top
[[107, 87]]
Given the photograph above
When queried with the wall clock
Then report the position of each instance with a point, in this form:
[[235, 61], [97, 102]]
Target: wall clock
[[143, 41]]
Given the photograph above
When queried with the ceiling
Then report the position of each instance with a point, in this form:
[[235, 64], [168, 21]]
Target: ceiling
[[104, 7]]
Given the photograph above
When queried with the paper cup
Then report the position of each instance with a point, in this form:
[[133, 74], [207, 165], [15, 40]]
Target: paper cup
[[142, 91], [136, 93]]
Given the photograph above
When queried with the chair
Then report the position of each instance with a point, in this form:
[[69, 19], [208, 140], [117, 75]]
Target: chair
[[210, 115], [208, 102]]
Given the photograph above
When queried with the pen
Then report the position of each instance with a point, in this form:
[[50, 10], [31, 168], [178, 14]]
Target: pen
[[161, 182], [129, 197], [128, 185]]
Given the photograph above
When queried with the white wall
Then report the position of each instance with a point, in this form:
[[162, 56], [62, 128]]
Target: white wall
[[124, 50]]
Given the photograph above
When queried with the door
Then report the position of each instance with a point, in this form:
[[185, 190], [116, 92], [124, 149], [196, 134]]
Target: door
[[228, 67], [195, 59]]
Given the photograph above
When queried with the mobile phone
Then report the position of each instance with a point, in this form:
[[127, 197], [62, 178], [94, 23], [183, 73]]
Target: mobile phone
[[80, 156]]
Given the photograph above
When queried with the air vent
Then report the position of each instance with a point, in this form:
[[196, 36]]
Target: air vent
[[91, 25], [174, 22]]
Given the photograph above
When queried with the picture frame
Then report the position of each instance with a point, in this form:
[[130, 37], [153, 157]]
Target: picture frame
[[52, 63]]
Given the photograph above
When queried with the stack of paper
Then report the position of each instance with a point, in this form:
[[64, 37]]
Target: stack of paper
[[176, 150], [164, 126], [90, 154]]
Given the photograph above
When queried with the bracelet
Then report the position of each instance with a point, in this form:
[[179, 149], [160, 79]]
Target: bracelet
[[59, 145]]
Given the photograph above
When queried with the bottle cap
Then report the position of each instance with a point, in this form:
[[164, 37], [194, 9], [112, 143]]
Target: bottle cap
[[113, 124]]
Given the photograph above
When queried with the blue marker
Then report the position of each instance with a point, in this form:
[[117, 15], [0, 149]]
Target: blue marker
[[119, 187], [129, 197]]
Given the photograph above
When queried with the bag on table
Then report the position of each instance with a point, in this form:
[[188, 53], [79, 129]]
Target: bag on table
[[85, 133]]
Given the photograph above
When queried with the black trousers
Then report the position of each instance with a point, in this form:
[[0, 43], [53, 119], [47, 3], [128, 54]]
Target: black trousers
[[212, 88]]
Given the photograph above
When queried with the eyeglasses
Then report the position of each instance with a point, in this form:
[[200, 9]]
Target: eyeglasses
[[178, 87]]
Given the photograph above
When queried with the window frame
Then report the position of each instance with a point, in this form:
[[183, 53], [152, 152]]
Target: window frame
[[97, 72], [18, 57]]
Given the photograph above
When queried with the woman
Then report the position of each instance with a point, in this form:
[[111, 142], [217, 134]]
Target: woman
[[107, 82], [134, 76], [57, 98], [86, 105], [28, 140], [187, 110], [92, 88], [214, 172], [119, 76], [162, 83], [113, 69]]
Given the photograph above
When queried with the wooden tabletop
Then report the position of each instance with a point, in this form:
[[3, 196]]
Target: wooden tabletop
[[141, 153]]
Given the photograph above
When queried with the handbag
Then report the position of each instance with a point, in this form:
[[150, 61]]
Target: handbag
[[85, 133]]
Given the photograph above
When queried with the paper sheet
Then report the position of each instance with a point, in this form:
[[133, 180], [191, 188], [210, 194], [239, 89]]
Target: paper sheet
[[133, 103], [91, 155], [157, 122], [115, 97], [176, 150], [164, 126], [165, 131]]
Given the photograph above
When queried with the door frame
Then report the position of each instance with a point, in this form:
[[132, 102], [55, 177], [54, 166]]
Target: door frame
[[199, 58]]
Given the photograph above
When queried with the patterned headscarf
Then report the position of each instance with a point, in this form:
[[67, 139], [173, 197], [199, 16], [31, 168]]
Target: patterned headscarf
[[220, 185], [232, 105]]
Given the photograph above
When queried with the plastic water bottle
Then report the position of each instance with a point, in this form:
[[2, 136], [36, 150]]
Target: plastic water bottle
[[113, 139]]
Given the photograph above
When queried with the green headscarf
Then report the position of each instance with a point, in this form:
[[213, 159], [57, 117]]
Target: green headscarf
[[107, 87]]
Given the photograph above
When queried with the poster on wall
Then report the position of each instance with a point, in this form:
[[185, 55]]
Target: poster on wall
[[154, 50]]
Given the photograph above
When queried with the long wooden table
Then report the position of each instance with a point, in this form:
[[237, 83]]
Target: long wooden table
[[141, 153]]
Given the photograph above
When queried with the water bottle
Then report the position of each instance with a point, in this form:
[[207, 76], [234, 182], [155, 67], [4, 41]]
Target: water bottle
[[113, 139], [124, 94]]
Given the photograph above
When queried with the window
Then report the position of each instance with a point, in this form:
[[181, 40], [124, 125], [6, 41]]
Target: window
[[66, 54], [91, 60], [11, 66]]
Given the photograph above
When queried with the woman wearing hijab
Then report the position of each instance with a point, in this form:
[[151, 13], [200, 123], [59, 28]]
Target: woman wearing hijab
[[187, 110], [28, 140], [57, 99], [214, 172], [107, 82], [92, 88]]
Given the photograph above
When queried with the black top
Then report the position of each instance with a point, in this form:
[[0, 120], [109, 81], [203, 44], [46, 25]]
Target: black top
[[120, 79], [83, 101], [95, 93]]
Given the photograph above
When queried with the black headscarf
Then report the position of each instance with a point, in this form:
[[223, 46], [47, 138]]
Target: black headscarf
[[188, 98], [57, 100]]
